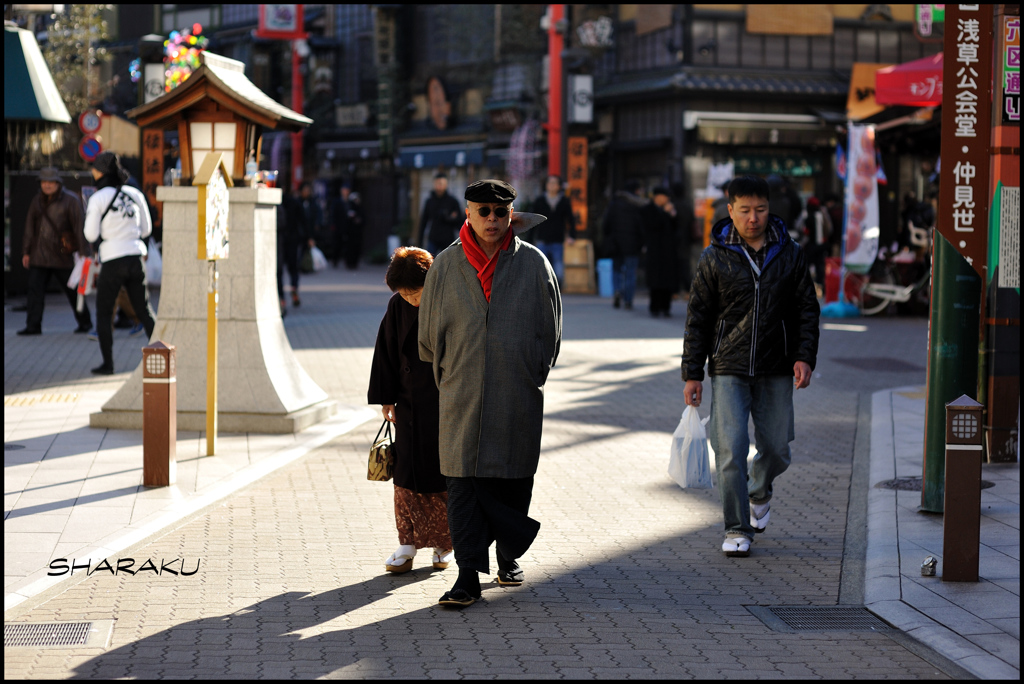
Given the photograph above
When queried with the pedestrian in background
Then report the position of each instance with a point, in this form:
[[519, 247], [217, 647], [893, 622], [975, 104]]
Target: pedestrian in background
[[405, 388], [661, 263], [623, 232], [53, 234], [301, 218], [353, 238], [439, 220], [118, 216], [551, 236], [753, 317], [684, 224], [814, 228], [491, 325]]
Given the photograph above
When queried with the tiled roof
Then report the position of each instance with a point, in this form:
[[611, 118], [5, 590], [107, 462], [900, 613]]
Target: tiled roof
[[703, 81]]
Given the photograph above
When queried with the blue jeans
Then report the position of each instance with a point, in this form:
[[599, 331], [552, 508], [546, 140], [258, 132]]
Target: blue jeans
[[625, 277], [734, 399], [555, 252]]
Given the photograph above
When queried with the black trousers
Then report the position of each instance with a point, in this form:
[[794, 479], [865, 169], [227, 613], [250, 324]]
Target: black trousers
[[482, 510], [661, 300], [130, 273], [38, 279]]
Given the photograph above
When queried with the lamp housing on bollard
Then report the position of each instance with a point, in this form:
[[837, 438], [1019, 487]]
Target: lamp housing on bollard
[[159, 415], [961, 521]]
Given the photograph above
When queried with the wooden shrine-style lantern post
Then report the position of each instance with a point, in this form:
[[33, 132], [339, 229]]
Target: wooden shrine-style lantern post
[[253, 376]]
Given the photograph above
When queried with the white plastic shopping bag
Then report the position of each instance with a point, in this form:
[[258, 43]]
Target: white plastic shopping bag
[[689, 464], [319, 260], [76, 272], [154, 265]]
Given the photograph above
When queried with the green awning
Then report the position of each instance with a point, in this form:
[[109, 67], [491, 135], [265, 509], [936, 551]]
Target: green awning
[[29, 91]]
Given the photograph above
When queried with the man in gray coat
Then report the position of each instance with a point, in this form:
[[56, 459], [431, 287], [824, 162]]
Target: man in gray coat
[[491, 325]]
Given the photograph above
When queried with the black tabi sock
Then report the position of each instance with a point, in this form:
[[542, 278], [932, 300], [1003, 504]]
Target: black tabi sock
[[469, 580]]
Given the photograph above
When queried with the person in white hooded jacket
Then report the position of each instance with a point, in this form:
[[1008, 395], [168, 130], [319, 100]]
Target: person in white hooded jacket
[[118, 216]]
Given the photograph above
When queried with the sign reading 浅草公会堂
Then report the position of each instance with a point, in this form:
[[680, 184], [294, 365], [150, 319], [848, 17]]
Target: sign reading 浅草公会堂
[[966, 132]]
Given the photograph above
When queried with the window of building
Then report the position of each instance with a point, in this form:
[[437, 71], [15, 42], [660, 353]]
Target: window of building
[[752, 50], [844, 48], [889, 47], [799, 52], [775, 52], [728, 49], [867, 46]]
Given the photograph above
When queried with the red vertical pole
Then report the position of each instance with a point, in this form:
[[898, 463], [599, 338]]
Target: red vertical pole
[[297, 108], [555, 44]]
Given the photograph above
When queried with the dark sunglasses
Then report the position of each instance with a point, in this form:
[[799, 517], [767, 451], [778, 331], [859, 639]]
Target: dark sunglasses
[[500, 212]]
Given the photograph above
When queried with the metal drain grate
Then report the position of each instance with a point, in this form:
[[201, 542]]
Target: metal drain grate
[[52, 634], [58, 634], [820, 619]]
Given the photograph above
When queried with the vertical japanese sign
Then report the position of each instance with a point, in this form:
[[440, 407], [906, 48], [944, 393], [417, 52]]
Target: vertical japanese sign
[[966, 132], [578, 182], [153, 169], [860, 241], [1011, 70]]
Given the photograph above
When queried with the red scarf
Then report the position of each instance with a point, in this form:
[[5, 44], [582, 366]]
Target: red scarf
[[478, 260]]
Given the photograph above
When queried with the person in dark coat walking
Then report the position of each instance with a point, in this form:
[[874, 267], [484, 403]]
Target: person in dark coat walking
[[53, 234], [404, 387], [551, 236], [301, 220], [347, 228], [439, 220], [491, 325], [623, 232], [662, 259]]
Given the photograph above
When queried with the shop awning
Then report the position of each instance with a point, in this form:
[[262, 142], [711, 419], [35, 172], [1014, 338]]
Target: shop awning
[[429, 156], [29, 91], [915, 84]]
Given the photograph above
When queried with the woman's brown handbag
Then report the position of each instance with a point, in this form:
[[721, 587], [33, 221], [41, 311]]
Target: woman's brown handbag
[[382, 461]]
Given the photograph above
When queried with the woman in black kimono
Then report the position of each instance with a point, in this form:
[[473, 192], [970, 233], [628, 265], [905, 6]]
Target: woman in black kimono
[[405, 388]]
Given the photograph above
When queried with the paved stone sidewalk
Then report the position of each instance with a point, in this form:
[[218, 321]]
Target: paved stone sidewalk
[[626, 579]]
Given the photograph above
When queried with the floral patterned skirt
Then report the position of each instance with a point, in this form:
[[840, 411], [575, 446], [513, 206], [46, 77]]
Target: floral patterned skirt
[[422, 519]]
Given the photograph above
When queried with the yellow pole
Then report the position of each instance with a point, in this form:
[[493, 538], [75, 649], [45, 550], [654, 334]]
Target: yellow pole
[[211, 362]]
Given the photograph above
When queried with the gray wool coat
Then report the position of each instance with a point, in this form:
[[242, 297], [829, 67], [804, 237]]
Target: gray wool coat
[[491, 360]]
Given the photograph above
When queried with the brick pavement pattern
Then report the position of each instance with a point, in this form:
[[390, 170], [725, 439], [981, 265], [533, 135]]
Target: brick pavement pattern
[[625, 580]]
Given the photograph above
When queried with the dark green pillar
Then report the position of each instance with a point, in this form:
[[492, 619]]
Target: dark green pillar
[[953, 331]]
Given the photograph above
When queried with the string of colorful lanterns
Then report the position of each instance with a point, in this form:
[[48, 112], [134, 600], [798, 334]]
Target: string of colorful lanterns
[[181, 57]]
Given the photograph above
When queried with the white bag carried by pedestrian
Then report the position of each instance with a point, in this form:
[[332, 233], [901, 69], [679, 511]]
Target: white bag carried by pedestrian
[[689, 464], [319, 260], [154, 265], [76, 272]]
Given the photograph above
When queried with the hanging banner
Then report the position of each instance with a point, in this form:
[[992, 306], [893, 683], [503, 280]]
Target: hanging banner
[[966, 132], [578, 182], [860, 241]]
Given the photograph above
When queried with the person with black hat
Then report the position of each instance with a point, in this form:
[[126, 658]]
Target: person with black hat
[[53, 234], [491, 324], [439, 220], [118, 216]]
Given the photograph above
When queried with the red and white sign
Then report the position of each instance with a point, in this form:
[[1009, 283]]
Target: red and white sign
[[90, 121], [281, 22]]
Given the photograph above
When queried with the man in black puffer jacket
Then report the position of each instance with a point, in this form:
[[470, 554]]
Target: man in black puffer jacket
[[753, 316]]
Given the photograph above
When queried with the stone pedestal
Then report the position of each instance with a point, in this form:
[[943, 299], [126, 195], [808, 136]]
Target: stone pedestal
[[261, 386]]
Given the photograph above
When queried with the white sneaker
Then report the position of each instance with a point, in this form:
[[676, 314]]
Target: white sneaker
[[759, 516], [736, 546]]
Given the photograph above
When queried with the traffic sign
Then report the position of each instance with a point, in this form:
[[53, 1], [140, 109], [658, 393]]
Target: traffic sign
[[89, 148], [90, 121]]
